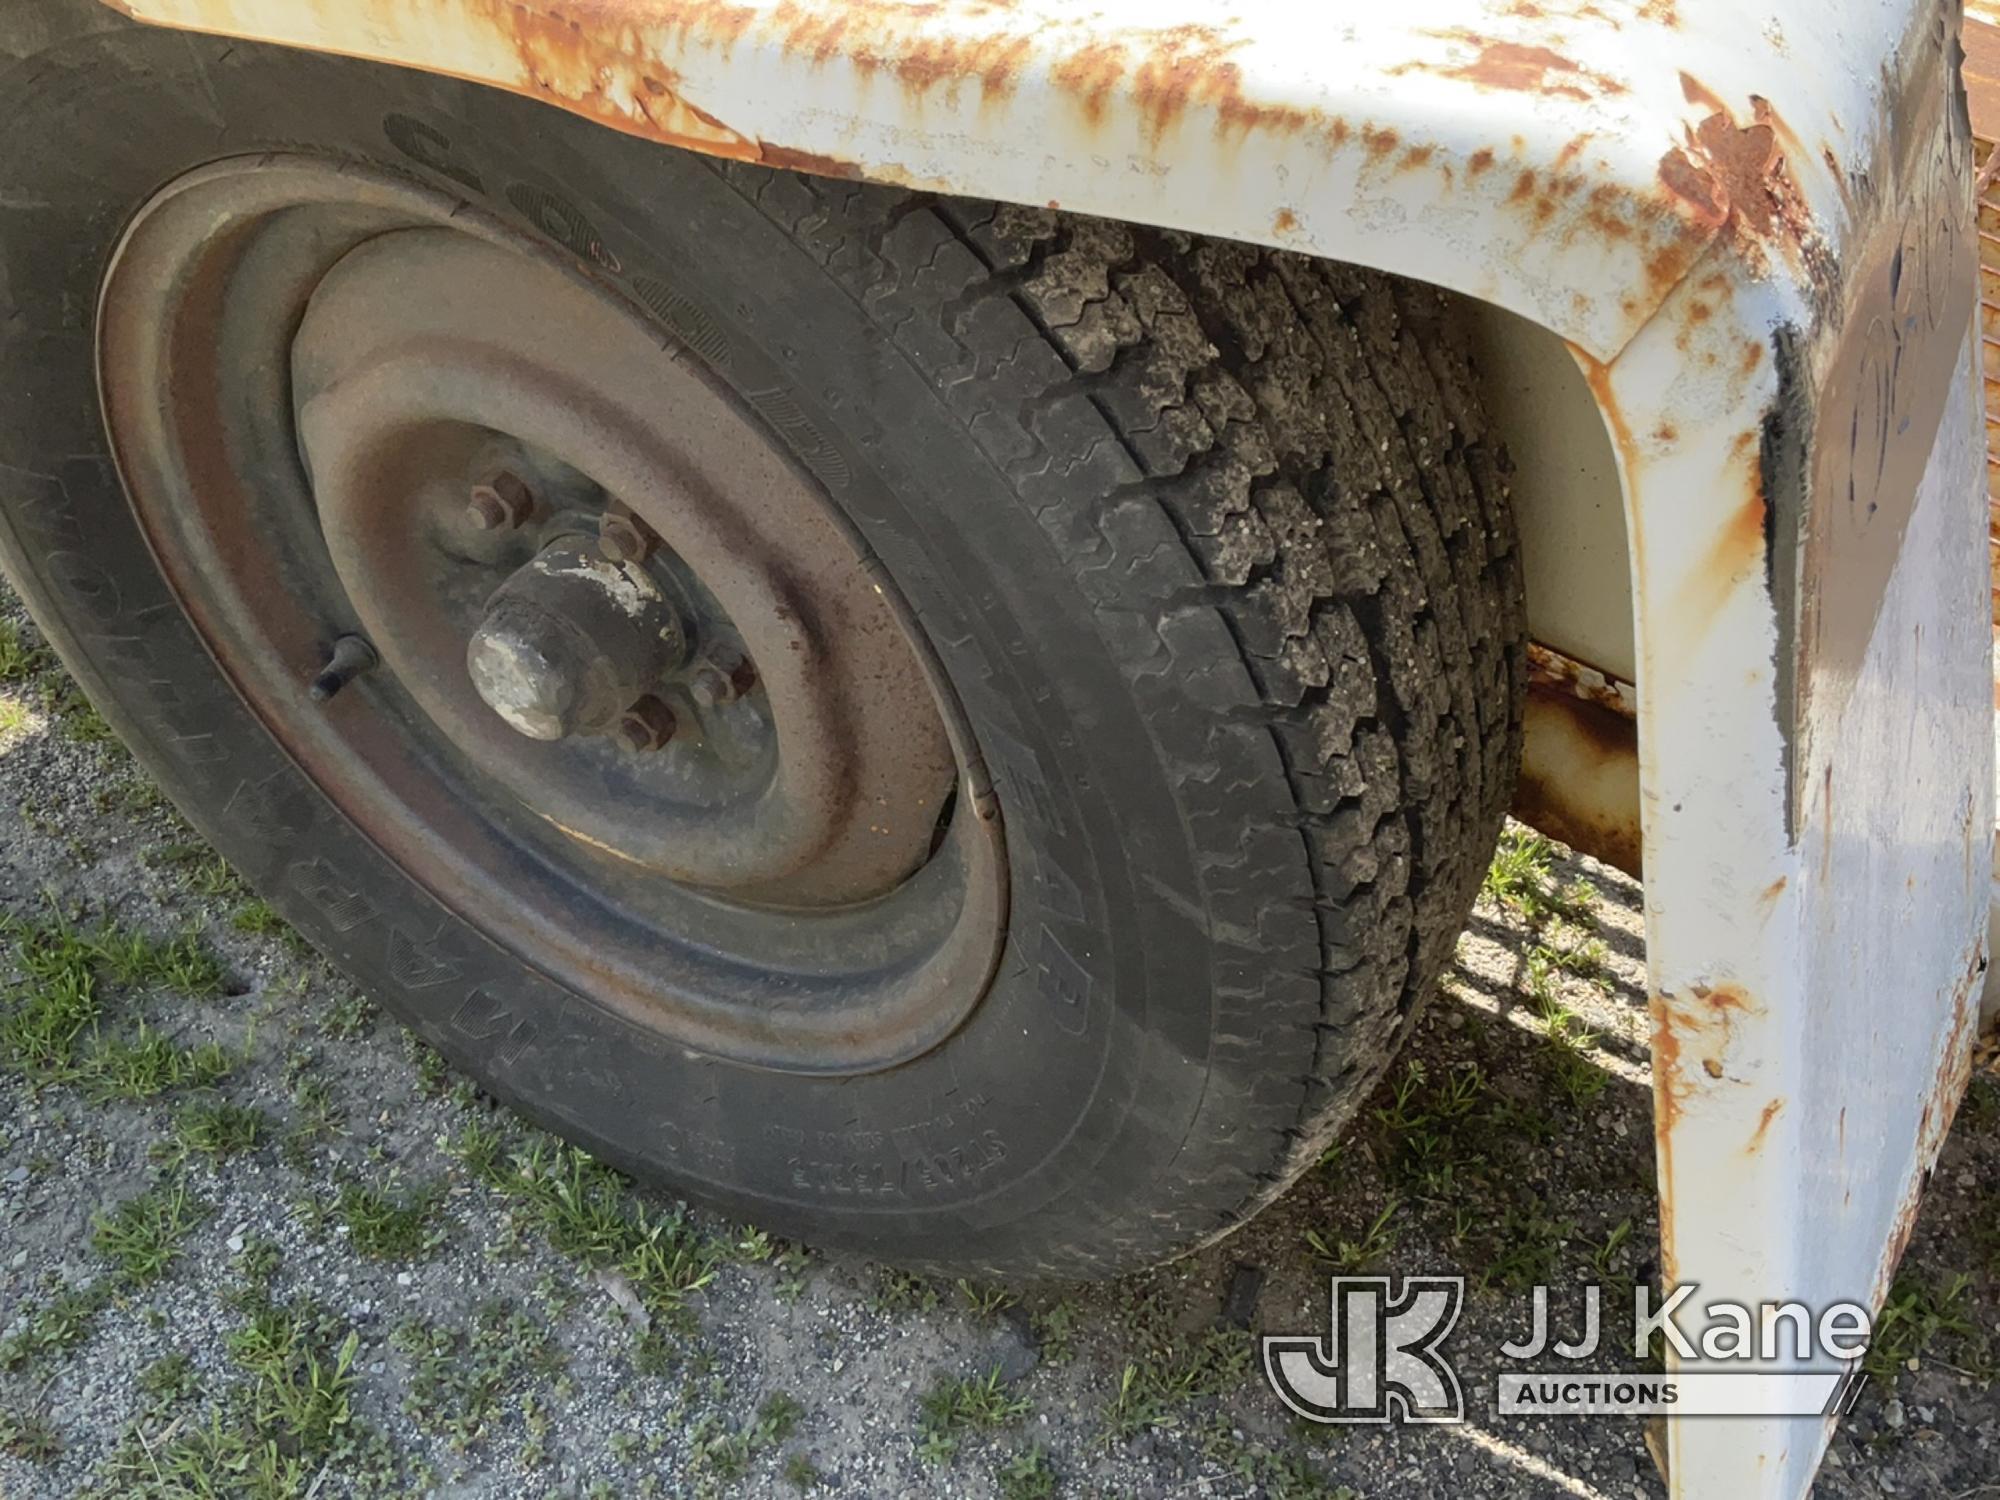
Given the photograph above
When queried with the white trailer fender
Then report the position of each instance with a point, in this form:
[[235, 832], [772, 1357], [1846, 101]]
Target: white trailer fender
[[1751, 221]]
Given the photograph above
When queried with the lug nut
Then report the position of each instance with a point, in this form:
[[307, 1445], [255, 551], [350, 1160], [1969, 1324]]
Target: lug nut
[[647, 725], [623, 537], [723, 678], [351, 657], [502, 503]]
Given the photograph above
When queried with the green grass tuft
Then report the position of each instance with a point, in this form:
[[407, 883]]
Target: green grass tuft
[[1027, 1476], [1175, 1371], [58, 1323], [213, 1128], [461, 1380], [146, 1065], [583, 1209], [28, 1435], [142, 1236], [170, 1379], [384, 1227], [953, 1407], [1920, 1316]]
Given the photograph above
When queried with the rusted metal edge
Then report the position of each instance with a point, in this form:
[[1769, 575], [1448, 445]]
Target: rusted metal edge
[[1548, 667], [1580, 759]]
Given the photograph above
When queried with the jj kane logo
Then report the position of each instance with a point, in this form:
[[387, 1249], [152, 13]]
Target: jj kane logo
[[1383, 1358]]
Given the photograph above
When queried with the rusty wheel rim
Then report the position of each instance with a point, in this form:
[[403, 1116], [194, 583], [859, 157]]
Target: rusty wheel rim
[[622, 686]]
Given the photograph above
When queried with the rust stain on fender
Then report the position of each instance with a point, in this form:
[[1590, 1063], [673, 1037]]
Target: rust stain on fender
[[1738, 180], [805, 161], [1171, 72], [1734, 555], [1771, 1111], [1519, 67], [1670, 1087], [1690, 1030], [1940, 1108]]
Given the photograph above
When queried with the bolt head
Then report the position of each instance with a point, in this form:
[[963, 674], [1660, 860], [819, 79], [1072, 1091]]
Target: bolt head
[[708, 687], [723, 677], [623, 539], [646, 726], [501, 503]]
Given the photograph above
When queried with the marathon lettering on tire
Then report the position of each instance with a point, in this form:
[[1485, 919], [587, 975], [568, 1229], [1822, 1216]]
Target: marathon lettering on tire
[[416, 964], [272, 810], [342, 907], [480, 1018], [428, 146], [1064, 982]]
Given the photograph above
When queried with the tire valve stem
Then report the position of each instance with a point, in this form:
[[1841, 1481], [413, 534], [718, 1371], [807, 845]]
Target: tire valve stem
[[351, 657]]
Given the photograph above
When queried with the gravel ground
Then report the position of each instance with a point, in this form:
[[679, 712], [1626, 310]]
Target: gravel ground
[[348, 1273]]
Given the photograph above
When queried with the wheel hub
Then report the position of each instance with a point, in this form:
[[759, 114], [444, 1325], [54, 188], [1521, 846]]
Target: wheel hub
[[572, 641]]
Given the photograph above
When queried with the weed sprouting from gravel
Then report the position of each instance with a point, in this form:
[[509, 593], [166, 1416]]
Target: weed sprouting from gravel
[[34, 668], [142, 1236], [433, 1072], [58, 1323], [211, 1128], [1027, 1476], [258, 1261], [170, 1379], [1178, 1368], [383, 1226], [585, 1211], [801, 1473], [1366, 1249], [146, 1065], [985, 1302], [1522, 879], [298, 1390], [319, 1113], [1922, 1314], [183, 963], [900, 1292], [259, 918], [1523, 862], [201, 870], [19, 661], [955, 1406], [52, 1019], [349, 1017], [50, 1009], [28, 1435], [1055, 1329], [269, 1437], [723, 1454], [460, 1378], [478, 1146]]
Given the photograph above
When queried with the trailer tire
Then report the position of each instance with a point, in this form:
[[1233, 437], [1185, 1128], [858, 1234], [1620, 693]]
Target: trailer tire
[[1211, 542]]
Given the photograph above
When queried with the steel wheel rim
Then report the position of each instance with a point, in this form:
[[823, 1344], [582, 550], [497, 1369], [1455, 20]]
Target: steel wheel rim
[[254, 429]]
